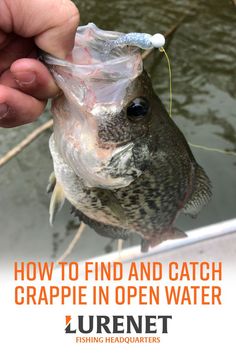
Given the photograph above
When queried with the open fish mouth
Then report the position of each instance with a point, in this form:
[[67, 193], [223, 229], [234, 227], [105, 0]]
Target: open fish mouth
[[95, 87]]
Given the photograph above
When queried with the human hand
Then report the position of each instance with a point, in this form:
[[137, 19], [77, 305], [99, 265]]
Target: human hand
[[25, 83]]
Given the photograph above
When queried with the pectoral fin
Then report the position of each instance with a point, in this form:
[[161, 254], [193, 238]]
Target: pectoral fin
[[56, 202], [109, 199], [51, 182], [201, 193]]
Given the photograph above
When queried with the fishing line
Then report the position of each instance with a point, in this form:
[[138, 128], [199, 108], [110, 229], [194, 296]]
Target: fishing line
[[212, 149], [230, 153], [170, 79], [148, 42]]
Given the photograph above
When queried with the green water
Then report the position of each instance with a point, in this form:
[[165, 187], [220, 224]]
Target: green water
[[202, 54]]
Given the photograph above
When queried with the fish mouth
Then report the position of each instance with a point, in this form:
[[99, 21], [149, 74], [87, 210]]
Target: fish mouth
[[88, 57], [94, 88], [86, 76]]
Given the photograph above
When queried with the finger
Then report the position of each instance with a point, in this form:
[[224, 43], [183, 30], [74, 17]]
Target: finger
[[5, 39], [15, 48], [53, 26], [17, 108], [32, 77], [7, 79]]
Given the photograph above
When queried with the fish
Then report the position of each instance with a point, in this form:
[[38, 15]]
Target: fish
[[118, 157]]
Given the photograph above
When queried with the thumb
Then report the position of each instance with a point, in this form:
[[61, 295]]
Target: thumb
[[59, 39], [52, 23]]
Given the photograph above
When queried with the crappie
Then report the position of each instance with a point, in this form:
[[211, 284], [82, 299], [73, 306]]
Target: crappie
[[118, 157]]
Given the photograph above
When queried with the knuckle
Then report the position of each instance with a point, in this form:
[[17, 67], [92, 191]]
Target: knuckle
[[72, 14]]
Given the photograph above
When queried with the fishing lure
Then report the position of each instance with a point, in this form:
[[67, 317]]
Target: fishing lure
[[141, 40], [144, 41]]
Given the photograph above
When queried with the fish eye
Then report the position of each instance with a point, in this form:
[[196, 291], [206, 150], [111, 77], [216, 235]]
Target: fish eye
[[138, 109]]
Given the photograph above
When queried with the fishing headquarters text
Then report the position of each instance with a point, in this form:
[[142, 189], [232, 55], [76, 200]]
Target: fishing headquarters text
[[115, 283]]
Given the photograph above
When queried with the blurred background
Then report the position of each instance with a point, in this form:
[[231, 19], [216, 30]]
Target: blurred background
[[202, 54]]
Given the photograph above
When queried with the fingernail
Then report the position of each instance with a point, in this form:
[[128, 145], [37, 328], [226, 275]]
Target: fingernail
[[24, 78], [4, 109]]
